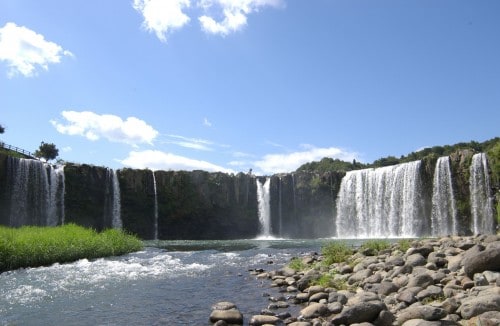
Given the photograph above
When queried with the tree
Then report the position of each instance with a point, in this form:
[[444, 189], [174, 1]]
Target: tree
[[2, 129], [47, 151]]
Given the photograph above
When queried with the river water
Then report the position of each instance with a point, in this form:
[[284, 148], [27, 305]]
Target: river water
[[168, 283]]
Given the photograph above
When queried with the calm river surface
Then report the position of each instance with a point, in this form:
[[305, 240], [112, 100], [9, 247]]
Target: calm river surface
[[169, 283]]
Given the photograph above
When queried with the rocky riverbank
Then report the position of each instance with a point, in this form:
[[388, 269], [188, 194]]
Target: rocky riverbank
[[446, 281]]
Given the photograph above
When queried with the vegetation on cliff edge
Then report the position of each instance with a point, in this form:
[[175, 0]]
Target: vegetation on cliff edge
[[32, 246]]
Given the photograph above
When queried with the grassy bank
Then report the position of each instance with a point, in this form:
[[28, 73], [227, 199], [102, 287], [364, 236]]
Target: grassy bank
[[32, 246]]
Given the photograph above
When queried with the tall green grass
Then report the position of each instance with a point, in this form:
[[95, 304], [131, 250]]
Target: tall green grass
[[32, 246]]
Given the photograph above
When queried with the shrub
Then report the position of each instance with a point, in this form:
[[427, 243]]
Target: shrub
[[404, 244], [376, 245], [335, 252], [297, 264]]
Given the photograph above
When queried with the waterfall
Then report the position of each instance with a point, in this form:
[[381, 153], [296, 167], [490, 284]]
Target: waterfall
[[481, 199], [444, 212], [55, 213], [280, 201], [155, 207], [263, 199], [116, 221], [37, 192], [382, 202]]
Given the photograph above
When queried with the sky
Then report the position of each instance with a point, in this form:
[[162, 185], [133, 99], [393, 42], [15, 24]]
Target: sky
[[234, 85]]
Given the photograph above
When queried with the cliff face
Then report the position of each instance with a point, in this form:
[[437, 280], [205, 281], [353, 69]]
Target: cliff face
[[202, 205]]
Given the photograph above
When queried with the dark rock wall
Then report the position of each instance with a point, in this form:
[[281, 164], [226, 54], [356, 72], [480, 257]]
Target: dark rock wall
[[202, 205]]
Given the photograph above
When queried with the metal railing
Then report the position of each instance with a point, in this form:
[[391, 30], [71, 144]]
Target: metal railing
[[17, 150]]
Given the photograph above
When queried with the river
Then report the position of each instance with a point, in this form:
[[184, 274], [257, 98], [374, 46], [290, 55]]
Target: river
[[168, 283]]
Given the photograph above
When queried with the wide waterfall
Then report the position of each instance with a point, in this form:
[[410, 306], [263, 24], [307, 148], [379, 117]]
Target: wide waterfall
[[444, 211], [155, 207], [481, 199], [37, 192], [263, 199], [382, 202]]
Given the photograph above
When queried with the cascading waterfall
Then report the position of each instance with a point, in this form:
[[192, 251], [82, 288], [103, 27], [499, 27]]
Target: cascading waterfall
[[481, 199], [444, 212], [37, 192], [56, 196], [280, 202], [263, 199], [117, 220], [155, 208], [382, 202]]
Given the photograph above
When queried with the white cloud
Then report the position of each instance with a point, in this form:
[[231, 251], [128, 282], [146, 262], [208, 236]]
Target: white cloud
[[158, 160], [281, 163], [24, 50], [67, 149], [187, 142], [93, 126], [207, 123], [162, 16], [234, 14]]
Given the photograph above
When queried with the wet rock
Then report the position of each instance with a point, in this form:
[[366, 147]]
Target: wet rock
[[384, 318], [258, 320], [337, 297], [335, 307], [227, 312]]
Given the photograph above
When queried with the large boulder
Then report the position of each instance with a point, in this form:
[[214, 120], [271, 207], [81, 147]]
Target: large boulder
[[474, 306], [428, 313], [486, 260], [359, 313]]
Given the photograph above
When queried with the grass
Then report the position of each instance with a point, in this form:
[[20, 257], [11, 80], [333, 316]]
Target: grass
[[376, 245], [297, 264], [404, 244], [32, 246], [335, 252]]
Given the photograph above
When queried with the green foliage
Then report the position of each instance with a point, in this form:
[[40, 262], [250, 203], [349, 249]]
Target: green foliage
[[47, 151], [335, 252], [297, 264], [328, 164], [329, 280], [376, 245], [404, 244], [32, 246], [2, 129]]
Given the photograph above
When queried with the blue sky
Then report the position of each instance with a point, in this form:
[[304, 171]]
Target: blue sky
[[226, 85]]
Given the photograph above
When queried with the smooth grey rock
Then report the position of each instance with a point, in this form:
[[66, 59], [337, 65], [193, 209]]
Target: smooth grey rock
[[300, 323], [314, 310], [318, 296], [335, 307], [230, 316], [363, 297], [258, 320], [431, 291], [359, 276], [491, 277], [359, 313], [421, 280], [487, 260], [429, 313], [490, 318], [474, 306], [480, 280], [387, 288], [315, 289], [384, 318], [416, 260], [337, 297]]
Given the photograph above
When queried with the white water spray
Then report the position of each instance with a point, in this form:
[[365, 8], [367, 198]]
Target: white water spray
[[155, 208], [383, 202], [55, 213], [116, 220], [481, 199], [444, 212], [263, 199]]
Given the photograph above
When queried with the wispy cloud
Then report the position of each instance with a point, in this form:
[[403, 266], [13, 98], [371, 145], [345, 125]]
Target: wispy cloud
[[25, 50], [93, 126], [187, 142], [158, 160], [162, 16], [207, 123], [288, 162], [234, 14]]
